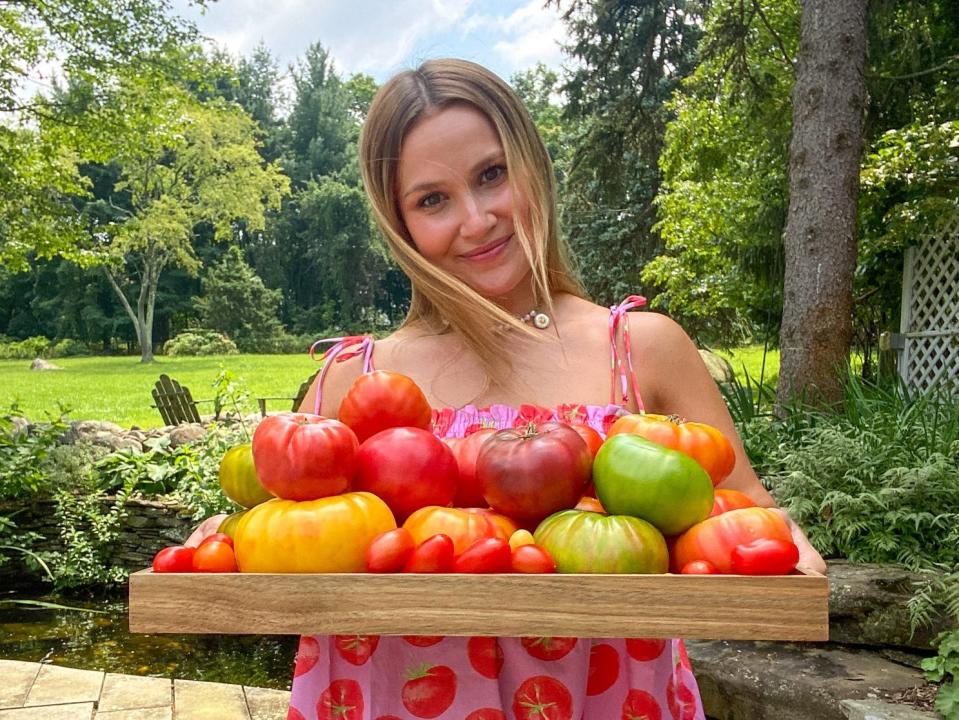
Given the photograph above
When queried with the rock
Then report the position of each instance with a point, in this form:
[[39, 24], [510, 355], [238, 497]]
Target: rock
[[719, 368], [867, 606], [41, 364], [879, 710], [101, 434], [186, 434], [788, 681]]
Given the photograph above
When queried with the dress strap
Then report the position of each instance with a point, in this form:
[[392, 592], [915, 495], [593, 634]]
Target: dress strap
[[627, 376], [360, 344]]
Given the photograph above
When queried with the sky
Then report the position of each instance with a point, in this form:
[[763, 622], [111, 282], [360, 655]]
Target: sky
[[381, 37]]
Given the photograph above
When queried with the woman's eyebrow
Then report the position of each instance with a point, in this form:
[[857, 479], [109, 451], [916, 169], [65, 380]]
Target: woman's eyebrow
[[486, 161]]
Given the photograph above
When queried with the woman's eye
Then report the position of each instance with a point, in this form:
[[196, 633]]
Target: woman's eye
[[493, 172], [431, 200]]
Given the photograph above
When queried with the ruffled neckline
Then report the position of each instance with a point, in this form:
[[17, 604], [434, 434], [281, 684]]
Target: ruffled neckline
[[460, 422]]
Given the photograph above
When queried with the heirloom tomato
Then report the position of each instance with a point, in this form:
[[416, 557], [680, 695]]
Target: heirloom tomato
[[408, 468], [587, 542], [464, 527], [238, 478], [304, 457], [331, 534], [530, 472], [635, 476], [715, 538], [592, 438], [379, 400], [704, 443], [726, 500], [469, 493], [228, 526]]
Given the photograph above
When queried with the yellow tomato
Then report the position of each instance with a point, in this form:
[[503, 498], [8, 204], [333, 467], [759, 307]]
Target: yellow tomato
[[228, 526], [238, 477], [520, 537], [328, 535]]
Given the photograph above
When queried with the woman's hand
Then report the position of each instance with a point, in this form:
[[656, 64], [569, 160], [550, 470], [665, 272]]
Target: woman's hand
[[809, 557], [204, 530]]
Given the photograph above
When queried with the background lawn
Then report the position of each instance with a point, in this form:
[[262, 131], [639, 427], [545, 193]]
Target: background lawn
[[118, 388]]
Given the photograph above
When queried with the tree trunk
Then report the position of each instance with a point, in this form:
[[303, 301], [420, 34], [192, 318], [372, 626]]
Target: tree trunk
[[820, 237], [142, 317]]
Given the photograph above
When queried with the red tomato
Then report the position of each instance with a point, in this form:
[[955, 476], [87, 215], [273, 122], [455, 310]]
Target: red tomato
[[304, 457], [218, 537], [641, 704], [529, 473], [464, 526], [389, 551], [380, 400], [489, 555], [174, 559], [429, 690], [699, 567], [592, 438], [408, 468], [356, 649], [542, 698], [469, 493], [342, 700], [726, 500], [216, 556], [704, 443], [765, 556], [485, 656], [714, 538], [434, 555], [603, 669], [532, 559], [548, 648]]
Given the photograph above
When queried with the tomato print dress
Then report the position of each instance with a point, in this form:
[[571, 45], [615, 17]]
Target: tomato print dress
[[388, 677]]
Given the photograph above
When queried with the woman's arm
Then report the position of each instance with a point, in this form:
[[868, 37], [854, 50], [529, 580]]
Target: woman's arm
[[674, 381]]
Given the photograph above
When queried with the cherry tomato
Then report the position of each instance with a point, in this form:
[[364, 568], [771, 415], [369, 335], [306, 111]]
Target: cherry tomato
[[174, 559], [218, 537], [390, 551], [380, 400], [765, 556], [532, 559], [519, 538], [433, 555], [489, 555], [215, 557], [699, 567]]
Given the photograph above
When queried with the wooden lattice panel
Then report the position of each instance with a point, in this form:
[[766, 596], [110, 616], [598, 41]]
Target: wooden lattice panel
[[930, 311]]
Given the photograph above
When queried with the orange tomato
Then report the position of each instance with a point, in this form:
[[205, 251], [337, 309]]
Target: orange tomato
[[214, 556], [331, 534], [715, 538], [704, 443], [464, 526], [726, 500]]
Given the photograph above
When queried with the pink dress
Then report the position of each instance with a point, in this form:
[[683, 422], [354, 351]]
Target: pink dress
[[357, 677]]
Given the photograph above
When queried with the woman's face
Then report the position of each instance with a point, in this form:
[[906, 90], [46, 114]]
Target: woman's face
[[456, 201]]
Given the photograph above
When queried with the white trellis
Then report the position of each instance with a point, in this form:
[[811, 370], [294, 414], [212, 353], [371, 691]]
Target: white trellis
[[930, 311]]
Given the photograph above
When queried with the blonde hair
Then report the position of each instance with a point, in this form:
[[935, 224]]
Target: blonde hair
[[440, 301]]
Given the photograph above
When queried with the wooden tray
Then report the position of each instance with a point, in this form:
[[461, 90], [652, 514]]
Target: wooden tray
[[730, 607]]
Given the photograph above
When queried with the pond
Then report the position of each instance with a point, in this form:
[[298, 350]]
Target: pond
[[102, 641]]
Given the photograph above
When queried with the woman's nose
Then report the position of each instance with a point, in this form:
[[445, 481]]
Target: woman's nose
[[477, 219]]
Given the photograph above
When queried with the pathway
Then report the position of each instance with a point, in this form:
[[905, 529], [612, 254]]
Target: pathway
[[35, 691]]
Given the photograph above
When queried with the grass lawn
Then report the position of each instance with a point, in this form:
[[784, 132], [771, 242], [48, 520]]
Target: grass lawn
[[118, 388]]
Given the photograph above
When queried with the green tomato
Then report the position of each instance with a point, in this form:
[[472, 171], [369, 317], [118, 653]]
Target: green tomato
[[581, 541], [238, 477], [635, 476], [228, 526]]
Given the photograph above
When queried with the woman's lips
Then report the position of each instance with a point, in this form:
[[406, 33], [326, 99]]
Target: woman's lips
[[488, 251]]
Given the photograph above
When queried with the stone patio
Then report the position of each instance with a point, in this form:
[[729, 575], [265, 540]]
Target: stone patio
[[35, 691]]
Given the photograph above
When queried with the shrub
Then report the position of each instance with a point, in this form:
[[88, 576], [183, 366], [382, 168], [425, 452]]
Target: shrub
[[28, 349], [201, 342], [68, 347]]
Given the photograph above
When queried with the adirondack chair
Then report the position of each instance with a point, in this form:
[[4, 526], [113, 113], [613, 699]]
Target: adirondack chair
[[297, 400], [175, 403]]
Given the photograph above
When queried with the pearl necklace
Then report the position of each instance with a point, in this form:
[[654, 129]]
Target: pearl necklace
[[539, 320]]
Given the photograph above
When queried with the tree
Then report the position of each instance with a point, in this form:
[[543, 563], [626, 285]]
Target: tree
[[185, 163], [829, 99], [236, 302]]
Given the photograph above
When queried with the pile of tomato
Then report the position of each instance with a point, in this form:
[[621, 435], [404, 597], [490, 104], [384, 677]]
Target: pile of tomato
[[377, 491]]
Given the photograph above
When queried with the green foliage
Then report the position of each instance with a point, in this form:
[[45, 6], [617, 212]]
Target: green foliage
[[944, 668], [200, 342], [68, 347], [28, 349], [26, 452], [235, 302]]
